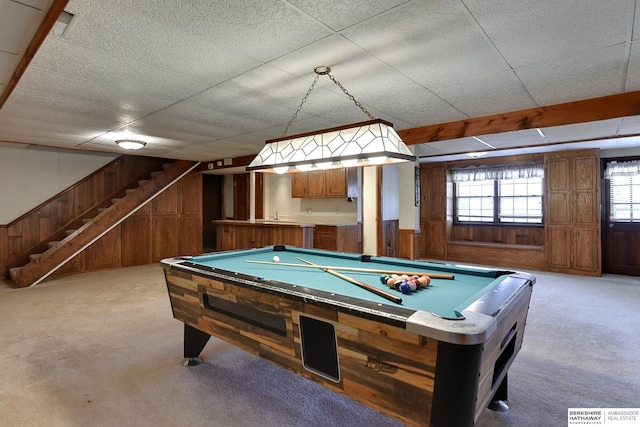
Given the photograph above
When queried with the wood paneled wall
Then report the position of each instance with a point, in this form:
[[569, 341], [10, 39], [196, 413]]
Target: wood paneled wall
[[57, 214], [169, 225], [568, 242]]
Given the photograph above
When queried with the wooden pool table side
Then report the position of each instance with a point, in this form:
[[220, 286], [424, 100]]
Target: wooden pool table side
[[514, 314], [367, 372], [423, 371]]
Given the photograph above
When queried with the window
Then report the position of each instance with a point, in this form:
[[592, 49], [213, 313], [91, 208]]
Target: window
[[624, 191], [499, 195]]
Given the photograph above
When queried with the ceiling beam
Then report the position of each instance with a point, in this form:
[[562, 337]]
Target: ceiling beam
[[57, 7], [603, 108]]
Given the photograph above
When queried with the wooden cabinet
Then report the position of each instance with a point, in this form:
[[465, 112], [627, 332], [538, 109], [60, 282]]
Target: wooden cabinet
[[340, 237], [433, 211], [572, 212], [332, 183], [299, 184], [316, 184], [233, 235]]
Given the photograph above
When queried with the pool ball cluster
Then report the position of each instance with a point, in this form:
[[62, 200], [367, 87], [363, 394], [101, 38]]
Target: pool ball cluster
[[405, 283]]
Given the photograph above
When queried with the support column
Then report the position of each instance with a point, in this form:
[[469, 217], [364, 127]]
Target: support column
[[370, 203], [252, 196]]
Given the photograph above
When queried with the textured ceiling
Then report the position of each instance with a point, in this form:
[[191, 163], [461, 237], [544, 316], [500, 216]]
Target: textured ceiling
[[205, 80]]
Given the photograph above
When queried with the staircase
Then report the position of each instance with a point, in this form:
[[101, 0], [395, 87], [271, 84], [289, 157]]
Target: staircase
[[96, 222]]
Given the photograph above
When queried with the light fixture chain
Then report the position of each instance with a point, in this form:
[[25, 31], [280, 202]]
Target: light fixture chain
[[351, 97], [304, 99]]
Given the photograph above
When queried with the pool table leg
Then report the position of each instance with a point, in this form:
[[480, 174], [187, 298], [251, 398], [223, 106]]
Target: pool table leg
[[194, 342], [499, 401]]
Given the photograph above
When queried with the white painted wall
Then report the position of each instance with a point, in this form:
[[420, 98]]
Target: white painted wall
[[390, 192], [277, 197], [370, 210], [30, 176], [410, 213]]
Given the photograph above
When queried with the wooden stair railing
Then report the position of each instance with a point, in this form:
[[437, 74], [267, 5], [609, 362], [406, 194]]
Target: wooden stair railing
[[40, 266]]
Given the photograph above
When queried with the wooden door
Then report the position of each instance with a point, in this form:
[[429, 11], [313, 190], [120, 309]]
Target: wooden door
[[621, 241], [241, 197], [212, 205]]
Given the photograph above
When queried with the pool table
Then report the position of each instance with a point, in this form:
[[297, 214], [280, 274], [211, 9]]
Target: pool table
[[438, 357]]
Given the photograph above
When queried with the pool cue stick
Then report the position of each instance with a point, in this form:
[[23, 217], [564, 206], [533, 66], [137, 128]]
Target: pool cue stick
[[379, 292], [360, 270]]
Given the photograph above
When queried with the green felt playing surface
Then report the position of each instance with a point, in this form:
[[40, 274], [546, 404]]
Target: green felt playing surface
[[443, 297]]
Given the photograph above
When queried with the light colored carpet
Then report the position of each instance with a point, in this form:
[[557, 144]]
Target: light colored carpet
[[102, 349]]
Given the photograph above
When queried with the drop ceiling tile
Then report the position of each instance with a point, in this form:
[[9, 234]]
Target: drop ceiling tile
[[170, 127], [42, 116], [443, 31], [636, 25], [64, 85], [364, 76], [26, 125], [8, 63], [209, 117], [210, 42], [418, 107], [112, 72], [460, 145], [516, 139], [240, 105], [272, 86], [41, 137], [582, 131], [333, 51], [585, 76], [633, 72], [340, 14], [18, 23], [202, 153], [540, 31], [67, 107], [426, 150], [496, 93], [629, 126]]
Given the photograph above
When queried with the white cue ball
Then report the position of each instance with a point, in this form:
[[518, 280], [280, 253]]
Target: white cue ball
[[276, 258]]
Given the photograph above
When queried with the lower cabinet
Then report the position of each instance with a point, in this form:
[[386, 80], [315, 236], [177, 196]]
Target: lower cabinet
[[244, 235], [573, 249], [340, 238]]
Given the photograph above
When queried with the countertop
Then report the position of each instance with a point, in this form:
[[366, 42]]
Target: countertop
[[297, 221]]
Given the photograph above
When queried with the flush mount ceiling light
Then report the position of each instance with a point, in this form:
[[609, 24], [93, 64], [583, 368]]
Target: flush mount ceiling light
[[130, 144], [373, 142], [477, 153]]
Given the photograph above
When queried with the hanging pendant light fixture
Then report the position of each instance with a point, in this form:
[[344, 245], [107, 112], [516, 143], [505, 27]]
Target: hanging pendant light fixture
[[372, 142]]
